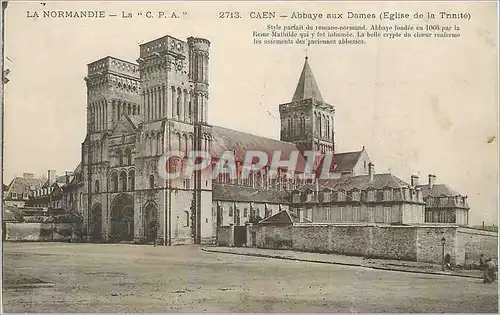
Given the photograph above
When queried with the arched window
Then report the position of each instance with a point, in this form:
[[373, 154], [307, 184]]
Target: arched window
[[186, 218], [123, 180], [320, 126], [190, 110], [151, 181], [186, 106], [131, 180], [128, 153], [178, 104], [185, 144], [173, 97], [114, 181], [120, 157], [97, 188]]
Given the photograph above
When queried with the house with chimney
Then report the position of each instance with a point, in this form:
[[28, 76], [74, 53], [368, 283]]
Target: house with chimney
[[372, 198], [442, 203], [20, 190], [52, 194]]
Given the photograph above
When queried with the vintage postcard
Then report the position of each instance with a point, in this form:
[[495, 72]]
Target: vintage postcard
[[208, 156]]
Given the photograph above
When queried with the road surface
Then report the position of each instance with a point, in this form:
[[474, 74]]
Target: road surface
[[59, 277]]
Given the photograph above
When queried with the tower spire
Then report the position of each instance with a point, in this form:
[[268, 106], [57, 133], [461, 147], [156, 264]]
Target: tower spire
[[307, 87]]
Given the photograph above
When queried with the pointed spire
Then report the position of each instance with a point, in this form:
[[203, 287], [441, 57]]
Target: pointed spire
[[307, 86]]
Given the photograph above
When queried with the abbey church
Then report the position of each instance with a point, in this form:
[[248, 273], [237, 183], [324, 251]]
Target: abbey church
[[137, 111]]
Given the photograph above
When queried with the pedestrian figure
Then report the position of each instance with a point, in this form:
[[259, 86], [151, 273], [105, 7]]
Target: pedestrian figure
[[489, 271], [482, 262]]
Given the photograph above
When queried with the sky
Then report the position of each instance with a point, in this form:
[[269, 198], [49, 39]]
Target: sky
[[418, 106]]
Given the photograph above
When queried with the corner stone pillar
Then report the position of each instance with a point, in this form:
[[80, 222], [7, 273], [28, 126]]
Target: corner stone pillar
[[248, 227], [231, 235]]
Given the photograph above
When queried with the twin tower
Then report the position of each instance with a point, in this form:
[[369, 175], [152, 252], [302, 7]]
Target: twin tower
[[137, 111], [170, 80]]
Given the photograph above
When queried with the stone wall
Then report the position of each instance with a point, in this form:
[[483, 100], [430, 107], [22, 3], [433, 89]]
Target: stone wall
[[40, 232], [275, 237], [413, 243], [473, 243], [225, 236], [429, 248], [395, 242]]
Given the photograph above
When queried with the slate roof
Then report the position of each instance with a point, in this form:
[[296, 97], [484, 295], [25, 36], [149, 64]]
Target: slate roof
[[312, 187], [225, 192], [225, 139], [20, 185], [284, 217], [307, 87], [347, 160], [361, 182], [438, 190]]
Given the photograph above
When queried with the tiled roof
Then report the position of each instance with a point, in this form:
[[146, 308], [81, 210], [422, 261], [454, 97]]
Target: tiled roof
[[225, 139], [61, 179], [310, 186], [362, 182], [223, 192], [78, 169], [25, 184], [347, 160], [284, 217], [438, 190], [307, 87]]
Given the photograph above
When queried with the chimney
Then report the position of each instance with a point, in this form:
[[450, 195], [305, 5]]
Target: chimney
[[51, 175], [370, 171], [432, 179], [28, 175], [414, 180]]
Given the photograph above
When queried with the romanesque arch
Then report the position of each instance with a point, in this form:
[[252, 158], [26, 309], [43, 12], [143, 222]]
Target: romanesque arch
[[151, 223], [122, 218]]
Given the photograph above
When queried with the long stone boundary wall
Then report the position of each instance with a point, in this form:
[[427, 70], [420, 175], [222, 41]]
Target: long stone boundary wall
[[474, 242], [40, 232], [413, 243]]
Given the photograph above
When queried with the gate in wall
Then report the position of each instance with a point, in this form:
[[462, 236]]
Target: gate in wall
[[240, 235]]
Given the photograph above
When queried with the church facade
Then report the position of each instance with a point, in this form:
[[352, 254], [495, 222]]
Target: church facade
[[136, 112]]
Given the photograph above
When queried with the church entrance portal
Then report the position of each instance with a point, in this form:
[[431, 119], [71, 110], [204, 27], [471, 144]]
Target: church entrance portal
[[151, 228], [122, 219]]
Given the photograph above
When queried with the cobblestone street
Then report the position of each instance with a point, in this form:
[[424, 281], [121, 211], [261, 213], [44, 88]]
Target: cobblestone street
[[56, 277]]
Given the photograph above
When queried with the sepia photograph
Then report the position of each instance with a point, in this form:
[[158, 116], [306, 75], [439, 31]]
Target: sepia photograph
[[249, 157]]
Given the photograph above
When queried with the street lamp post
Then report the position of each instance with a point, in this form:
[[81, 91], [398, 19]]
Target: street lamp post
[[443, 241]]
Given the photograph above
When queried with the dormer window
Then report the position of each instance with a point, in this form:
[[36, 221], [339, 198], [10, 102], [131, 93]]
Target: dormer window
[[309, 195], [405, 194], [356, 195], [341, 196], [296, 197], [371, 195], [388, 194], [326, 196]]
